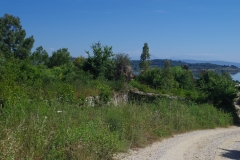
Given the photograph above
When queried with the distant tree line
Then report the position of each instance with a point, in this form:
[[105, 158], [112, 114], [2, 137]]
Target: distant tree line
[[159, 63]]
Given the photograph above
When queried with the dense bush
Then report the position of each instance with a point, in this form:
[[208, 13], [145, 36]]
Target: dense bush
[[219, 89], [183, 77], [209, 87], [122, 66], [79, 62]]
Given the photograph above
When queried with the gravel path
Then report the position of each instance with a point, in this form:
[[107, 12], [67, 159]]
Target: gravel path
[[212, 144]]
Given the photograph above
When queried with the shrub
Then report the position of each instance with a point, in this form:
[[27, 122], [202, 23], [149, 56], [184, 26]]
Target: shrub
[[105, 92], [152, 77], [101, 63], [219, 89]]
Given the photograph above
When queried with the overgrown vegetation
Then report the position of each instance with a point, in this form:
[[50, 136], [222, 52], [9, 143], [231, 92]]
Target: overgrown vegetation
[[38, 129], [43, 109], [209, 87]]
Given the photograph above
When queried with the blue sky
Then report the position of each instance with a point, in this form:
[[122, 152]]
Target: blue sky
[[173, 29]]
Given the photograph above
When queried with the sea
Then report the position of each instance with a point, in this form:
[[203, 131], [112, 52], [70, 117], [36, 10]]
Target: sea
[[236, 76]]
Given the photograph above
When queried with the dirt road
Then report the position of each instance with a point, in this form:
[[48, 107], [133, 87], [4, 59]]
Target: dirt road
[[213, 144]]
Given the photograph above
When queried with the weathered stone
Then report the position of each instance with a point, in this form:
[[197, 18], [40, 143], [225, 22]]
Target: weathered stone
[[121, 98]]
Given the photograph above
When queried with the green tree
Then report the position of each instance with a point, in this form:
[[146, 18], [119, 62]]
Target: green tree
[[40, 56], [152, 77], [219, 89], [227, 75], [59, 57], [183, 77], [12, 38], [79, 62], [123, 66], [145, 61], [2, 63], [101, 63], [168, 79]]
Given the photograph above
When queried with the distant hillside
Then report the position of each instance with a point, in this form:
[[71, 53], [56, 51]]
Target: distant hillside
[[159, 63], [213, 62]]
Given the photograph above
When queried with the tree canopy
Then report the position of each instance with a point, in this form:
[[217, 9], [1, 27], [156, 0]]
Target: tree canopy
[[12, 38], [59, 57], [123, 66], [145, 61], [101, 62], [219, 89], [40, 56]]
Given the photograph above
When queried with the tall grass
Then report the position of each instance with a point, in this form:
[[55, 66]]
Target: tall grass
[[38, 129]]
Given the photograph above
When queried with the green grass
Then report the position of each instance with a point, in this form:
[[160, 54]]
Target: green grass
[[37, 130]]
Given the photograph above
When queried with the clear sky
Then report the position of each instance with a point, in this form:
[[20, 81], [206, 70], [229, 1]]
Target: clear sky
[[173, 29]]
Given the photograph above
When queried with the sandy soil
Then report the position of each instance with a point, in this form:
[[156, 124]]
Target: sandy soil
[[213, 144]]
